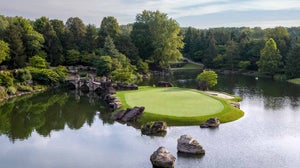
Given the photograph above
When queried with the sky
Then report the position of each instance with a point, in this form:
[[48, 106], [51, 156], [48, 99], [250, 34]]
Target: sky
[[196, 13]]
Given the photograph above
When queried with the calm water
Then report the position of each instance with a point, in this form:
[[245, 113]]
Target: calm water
[[65, 129]]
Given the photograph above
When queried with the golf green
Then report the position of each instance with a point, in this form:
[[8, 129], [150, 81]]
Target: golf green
[[173, 101]]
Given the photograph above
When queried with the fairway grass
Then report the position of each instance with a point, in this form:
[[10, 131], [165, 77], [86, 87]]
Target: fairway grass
[[295, 81], [178, 106], [189, 66]]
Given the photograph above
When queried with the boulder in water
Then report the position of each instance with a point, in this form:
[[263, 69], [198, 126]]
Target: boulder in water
[[211, 122], [186, 144], [162, 158]]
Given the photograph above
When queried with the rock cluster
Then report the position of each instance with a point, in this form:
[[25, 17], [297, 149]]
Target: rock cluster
[[128, 115], [162, 158], [107, 90], [112, 102], [235, 104], [164, 84], [211, 122], [186, 144], [125, 86], [154, 127]]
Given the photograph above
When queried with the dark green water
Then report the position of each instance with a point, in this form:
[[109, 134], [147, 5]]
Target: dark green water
[[66, 129]]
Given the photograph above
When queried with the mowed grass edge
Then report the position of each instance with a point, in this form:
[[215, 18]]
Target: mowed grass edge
[[295, 81], [229, 113]]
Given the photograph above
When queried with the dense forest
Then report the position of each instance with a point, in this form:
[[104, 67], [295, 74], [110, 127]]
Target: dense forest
[[123, 52], [271, 51]]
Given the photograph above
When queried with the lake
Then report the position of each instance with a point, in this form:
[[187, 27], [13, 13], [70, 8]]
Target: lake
[[70, 129]]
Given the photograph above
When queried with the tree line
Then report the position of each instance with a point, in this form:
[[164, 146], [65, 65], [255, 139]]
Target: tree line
[[124, 52], [121, 52], [271, 51]]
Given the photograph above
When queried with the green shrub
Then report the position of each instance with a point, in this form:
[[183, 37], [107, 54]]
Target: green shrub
[[62, 72], [209, 77], [6, 79], [44, 76], [37, 87], [280, 77], [38, 62], [142, 67], [3, 93], [24, 88], [243, 65], [82, 74], [11, 90], [22, 75]]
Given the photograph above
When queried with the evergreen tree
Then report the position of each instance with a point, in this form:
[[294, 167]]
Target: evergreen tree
[[293, 62], [110, 48], [109, 27], [232, 55], [211, 51], [13, 35]]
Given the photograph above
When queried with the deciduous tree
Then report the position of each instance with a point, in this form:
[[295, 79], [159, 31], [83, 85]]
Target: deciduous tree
[[163, 37], [270, 58], [4, 51], [207, 79]]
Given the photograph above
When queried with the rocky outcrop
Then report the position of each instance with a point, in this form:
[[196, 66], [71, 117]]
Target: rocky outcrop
[[186, 144], [211, 122], [112, 102], [164, 84], [162, 158], [128, 115], [235, 104], [125, 86], [154, 127]]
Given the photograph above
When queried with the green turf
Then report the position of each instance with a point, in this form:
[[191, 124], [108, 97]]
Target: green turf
[[174, 102], [189, 66], [295, 81], [178, 106]]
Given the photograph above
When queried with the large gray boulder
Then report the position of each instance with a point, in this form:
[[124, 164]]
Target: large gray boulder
[[186, 144], [154, 127], [128, 115], [162, 158], [235, 104], [211, 122]]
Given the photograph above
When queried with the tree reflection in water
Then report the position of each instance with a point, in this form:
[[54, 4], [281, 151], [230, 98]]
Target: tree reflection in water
[[50, 111]]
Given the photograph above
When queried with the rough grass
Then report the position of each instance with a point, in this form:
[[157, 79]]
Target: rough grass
[[295, 81], [178, 106], [189, 66]]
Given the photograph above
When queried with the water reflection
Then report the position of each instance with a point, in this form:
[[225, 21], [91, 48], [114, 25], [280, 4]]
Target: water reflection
[[269, 90], [270, 129], [50, 111]]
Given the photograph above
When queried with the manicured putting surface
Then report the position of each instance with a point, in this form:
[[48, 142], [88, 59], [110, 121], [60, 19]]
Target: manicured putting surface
[[173, 101]]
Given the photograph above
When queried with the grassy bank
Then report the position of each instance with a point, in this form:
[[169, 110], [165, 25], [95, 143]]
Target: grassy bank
[[295, 81], [178, 106], [188, 66]]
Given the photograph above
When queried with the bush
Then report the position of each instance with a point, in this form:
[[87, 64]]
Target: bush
[[208, 77], [24, 88], [11, 90], [38, 62], [280, 77], [243, 65], [44, 76], [3, 93], [142, 67], [62, 72], [22, 75], [83, 74], [37, 87], [6, 79]]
